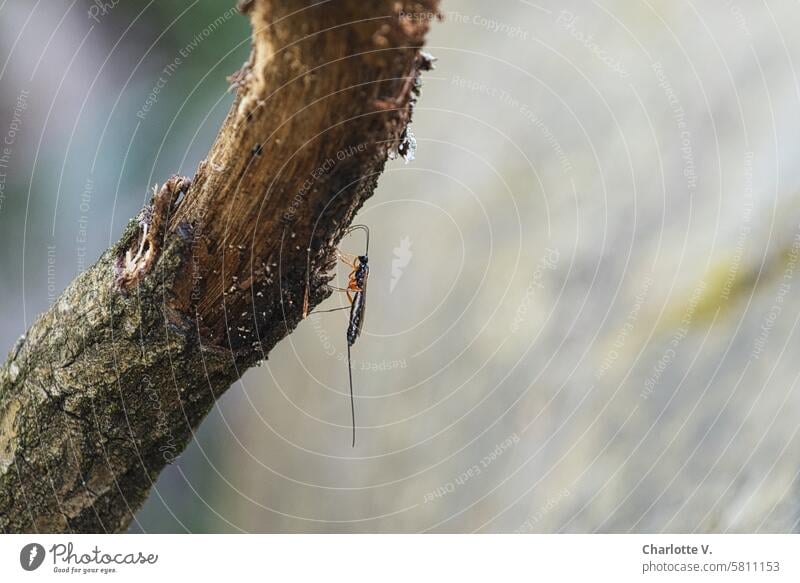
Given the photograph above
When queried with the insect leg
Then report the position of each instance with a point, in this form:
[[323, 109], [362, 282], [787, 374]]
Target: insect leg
[[349, 299], [332, 310], [347, 258], [366, 233]]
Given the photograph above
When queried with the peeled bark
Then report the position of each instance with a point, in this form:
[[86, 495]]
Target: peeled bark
[[106, 387]]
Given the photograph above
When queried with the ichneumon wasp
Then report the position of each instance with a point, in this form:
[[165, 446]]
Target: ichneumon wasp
[[356, 291]]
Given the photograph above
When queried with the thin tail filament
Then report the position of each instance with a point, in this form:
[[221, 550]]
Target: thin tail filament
[[352, 401]]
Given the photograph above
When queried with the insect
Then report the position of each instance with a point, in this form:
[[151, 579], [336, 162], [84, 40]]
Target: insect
[[356, 291]]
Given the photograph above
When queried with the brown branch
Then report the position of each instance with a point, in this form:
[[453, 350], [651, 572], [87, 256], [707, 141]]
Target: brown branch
[[108, 385]]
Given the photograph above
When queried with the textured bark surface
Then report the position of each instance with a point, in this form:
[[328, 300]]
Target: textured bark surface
[[108, 385]]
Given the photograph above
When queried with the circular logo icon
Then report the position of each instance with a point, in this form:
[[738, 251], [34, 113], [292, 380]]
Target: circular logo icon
[[31, 556]]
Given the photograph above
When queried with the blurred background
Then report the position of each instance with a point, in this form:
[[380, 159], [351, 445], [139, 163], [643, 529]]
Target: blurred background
[[584, 290]]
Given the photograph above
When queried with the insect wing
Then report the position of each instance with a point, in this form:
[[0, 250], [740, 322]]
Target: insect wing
[[363, 314]]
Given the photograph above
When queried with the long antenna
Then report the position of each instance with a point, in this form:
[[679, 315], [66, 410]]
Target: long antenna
[[366, 231], [352, 401]]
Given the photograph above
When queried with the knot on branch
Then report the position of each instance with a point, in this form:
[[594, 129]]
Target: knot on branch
[[139, 255]]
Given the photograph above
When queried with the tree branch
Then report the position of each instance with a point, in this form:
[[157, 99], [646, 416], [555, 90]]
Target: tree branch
[[107, 386]]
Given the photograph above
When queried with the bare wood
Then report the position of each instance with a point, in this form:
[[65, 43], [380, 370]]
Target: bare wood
[[107, 386]]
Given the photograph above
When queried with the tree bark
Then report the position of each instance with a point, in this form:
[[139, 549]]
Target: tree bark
[[107, 387]]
